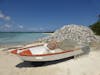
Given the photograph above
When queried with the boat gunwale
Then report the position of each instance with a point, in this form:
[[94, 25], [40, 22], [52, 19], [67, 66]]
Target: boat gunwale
[[64, 51], [49, 54]]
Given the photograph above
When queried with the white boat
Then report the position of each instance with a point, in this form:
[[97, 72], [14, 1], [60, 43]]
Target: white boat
[[35, 53]]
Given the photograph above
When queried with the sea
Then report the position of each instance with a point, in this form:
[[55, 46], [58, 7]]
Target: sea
[[19, 38]]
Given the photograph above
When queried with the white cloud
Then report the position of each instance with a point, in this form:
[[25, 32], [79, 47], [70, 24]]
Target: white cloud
[[36, 29], [7, 26], [21, 26], [7, 22], [41, 28], [4, 17], [7, 18], [1, 15]]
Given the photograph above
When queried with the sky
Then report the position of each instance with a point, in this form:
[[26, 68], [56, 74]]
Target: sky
[[46, 15]]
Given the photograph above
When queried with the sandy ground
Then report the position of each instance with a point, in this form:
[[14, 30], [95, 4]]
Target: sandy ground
[[84, 65]]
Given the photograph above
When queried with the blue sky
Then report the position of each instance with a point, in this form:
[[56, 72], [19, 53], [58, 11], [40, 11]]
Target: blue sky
[[46, 15]]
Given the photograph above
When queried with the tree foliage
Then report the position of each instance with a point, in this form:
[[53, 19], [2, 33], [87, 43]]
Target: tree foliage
[[96, 28]]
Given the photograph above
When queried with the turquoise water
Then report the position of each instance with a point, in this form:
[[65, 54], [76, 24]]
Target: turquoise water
[[19, 38]]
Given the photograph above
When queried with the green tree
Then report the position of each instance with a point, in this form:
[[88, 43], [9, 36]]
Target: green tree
[[96, 27]]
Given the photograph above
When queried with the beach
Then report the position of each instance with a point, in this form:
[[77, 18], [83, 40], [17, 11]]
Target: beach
[[89, 64]]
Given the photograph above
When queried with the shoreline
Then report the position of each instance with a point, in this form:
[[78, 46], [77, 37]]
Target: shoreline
[[7, 47]]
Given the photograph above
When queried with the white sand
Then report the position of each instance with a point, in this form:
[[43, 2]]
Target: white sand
[[84, 65]]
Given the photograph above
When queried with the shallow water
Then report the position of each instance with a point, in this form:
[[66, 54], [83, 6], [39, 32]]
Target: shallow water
[[8, 38]]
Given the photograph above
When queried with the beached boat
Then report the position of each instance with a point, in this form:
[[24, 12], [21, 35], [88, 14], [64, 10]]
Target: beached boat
[[40, 53]]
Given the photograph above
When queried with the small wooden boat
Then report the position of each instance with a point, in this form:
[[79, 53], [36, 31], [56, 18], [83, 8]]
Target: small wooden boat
[[39, 53]]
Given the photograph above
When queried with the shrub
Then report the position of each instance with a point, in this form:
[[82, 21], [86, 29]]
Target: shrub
[[96, 28]]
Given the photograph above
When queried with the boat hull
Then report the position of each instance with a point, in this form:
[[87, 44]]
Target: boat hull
[[51, 57]]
